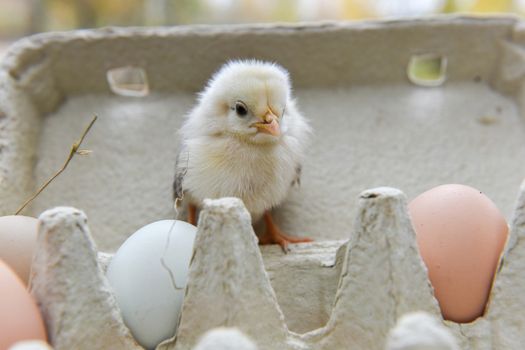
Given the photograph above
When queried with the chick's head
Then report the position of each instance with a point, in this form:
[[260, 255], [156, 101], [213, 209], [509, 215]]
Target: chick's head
[[248, 100]]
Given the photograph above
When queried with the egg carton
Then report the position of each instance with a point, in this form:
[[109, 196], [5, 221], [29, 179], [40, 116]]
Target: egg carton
[[375, 125]]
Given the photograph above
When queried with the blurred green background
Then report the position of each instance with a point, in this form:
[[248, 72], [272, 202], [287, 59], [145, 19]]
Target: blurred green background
[[23, 17]]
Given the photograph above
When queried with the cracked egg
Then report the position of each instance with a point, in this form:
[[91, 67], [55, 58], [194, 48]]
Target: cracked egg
[[148, 275]]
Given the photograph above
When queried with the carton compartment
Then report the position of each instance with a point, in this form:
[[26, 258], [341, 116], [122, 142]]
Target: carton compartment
[[374, 126], [398, 135]]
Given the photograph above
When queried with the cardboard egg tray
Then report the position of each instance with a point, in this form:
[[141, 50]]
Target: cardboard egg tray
[[376, 126]]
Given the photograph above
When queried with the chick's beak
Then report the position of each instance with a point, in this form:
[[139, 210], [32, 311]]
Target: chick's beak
[[269, 125]]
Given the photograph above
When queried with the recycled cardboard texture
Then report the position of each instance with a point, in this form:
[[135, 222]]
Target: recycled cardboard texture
[[70, 287], [317, 266], [372, 128], [382, 278]]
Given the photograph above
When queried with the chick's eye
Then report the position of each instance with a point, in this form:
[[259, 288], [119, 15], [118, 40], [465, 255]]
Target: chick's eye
[[241, 109]]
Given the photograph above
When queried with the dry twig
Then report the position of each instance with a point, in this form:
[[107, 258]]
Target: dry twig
[[74, 150]]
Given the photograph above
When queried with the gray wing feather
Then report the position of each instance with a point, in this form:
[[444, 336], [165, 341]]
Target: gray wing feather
[[181, 168], [297, 178]]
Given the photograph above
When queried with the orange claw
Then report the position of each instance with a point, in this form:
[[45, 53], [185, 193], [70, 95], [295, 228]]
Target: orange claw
[[274, 235]]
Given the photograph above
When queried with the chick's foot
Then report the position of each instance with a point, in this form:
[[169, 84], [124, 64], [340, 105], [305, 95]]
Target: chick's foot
[[274, 235], [192, 214]]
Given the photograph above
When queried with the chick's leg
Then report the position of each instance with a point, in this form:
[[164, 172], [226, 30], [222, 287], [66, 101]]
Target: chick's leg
[[274, 235], [192, 214]]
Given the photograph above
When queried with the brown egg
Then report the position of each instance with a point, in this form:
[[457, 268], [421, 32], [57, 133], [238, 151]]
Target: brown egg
[[20, 317], [17, 243], [461, 235]]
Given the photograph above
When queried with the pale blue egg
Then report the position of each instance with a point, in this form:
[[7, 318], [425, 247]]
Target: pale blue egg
[[148, 275]]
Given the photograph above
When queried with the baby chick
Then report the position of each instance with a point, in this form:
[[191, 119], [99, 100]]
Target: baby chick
[[245, 138]]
